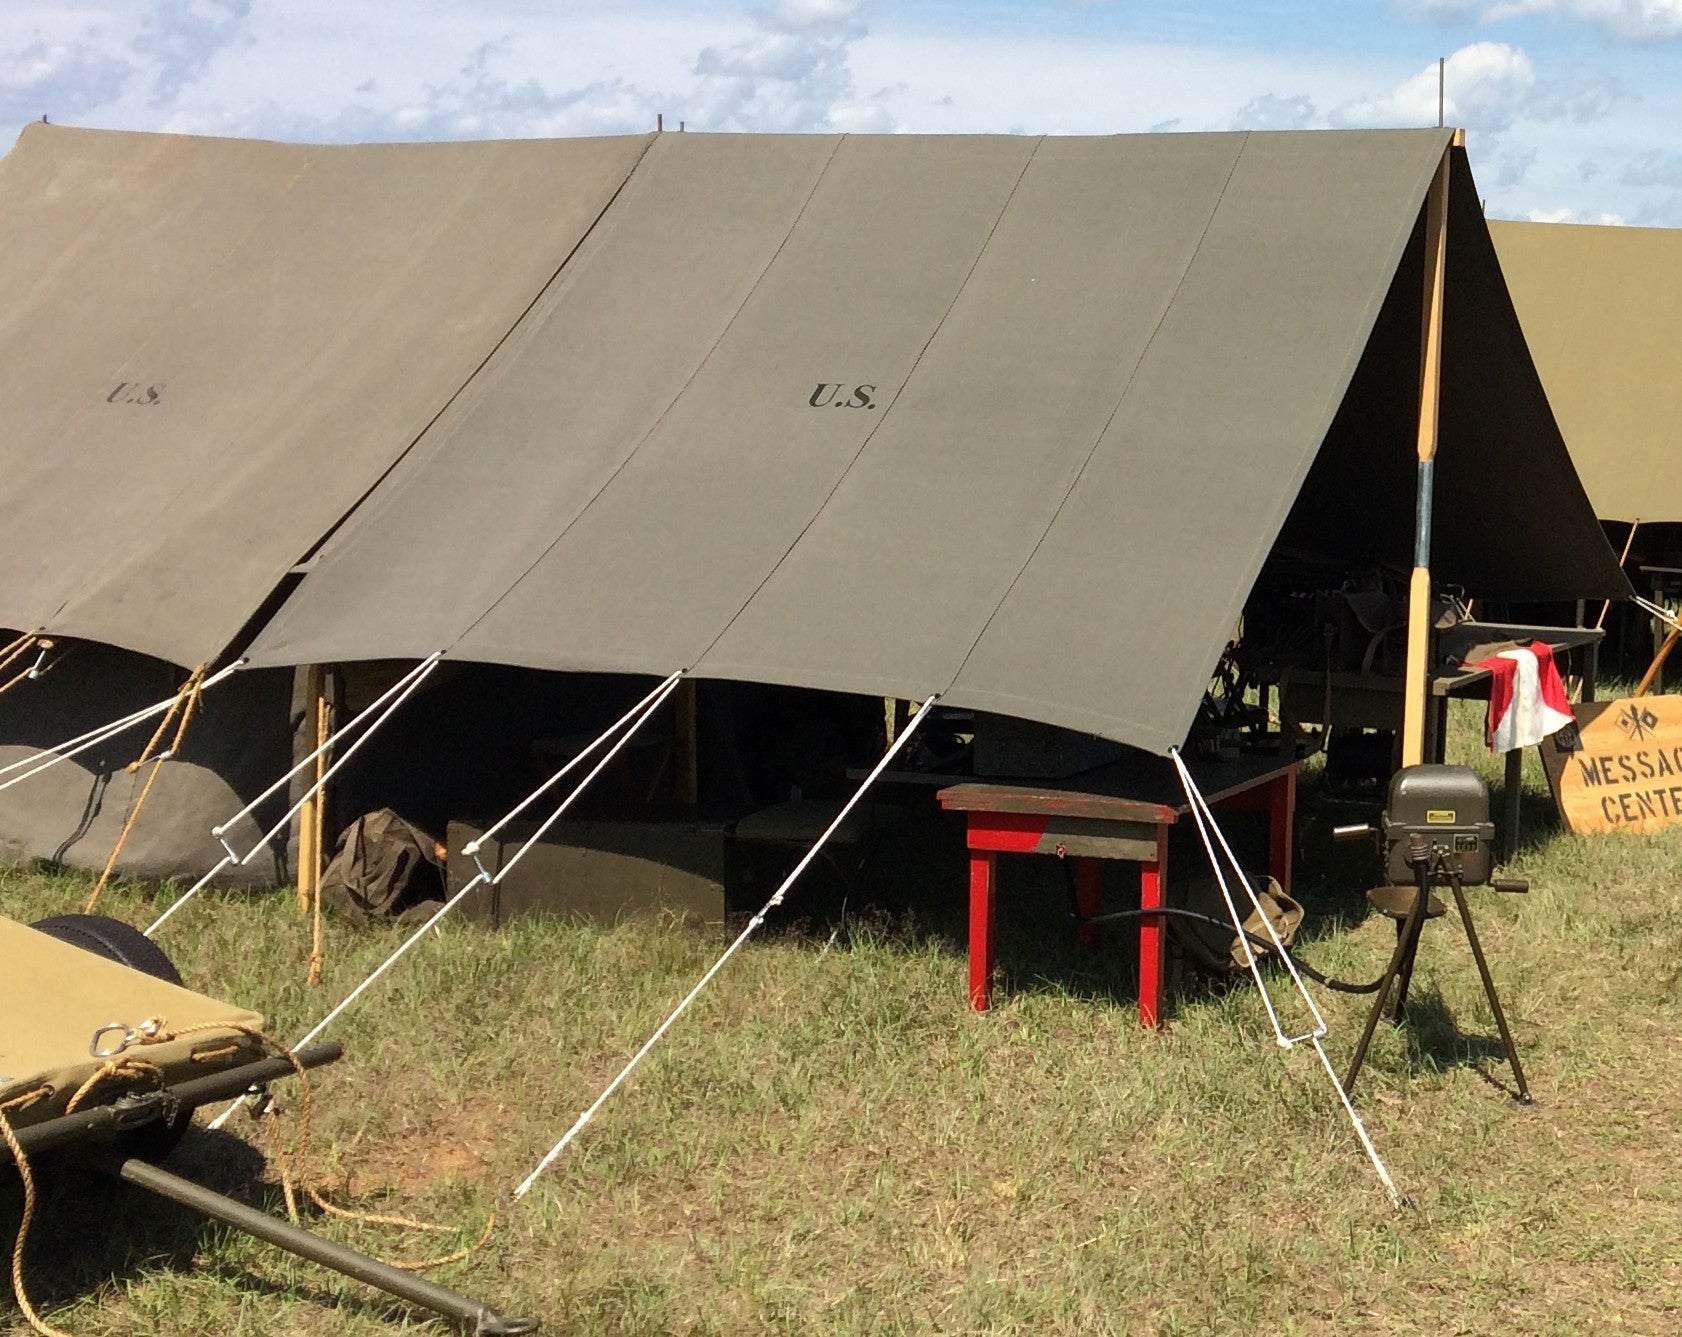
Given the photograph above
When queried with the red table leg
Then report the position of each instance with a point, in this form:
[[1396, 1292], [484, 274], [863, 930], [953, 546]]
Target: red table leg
[[1088, 900], [1153, 892], [1281, 814], [981, 874]]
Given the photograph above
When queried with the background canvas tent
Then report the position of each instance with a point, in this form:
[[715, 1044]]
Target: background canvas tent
[[1602, 310], [1016, 420], [210, 350]]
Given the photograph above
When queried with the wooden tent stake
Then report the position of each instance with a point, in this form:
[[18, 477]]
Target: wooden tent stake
[[1417, 686], [310, 816]]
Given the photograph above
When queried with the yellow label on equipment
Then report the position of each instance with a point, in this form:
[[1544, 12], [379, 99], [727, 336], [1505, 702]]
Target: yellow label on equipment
[[1440, 816]]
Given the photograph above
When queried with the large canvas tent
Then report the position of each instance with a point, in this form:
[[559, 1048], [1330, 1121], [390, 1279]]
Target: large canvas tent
[[1016, 420], [1602, 310], [1012, 420]]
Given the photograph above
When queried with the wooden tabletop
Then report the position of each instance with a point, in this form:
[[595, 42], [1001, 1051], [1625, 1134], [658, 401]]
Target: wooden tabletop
[[1139, 788]]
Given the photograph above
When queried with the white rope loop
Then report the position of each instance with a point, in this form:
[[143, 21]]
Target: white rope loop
[[655, 701], [396, 694], [718, 965], [472, 847], [644, 711], [1204, 814], [1206, 823], [1659, 611]]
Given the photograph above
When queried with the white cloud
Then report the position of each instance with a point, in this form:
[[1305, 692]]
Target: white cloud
[[65, 78], [793, 75], [1628, 20], [1486, 83], [1270, 111]]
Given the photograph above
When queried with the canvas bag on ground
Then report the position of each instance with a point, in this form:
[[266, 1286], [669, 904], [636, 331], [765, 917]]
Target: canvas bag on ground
[[1218, 948], [382, 866]]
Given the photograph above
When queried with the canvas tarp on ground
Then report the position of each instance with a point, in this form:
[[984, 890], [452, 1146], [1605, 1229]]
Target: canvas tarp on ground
[[210, 349], [1016, 420], [244, 737], [1602, 309]]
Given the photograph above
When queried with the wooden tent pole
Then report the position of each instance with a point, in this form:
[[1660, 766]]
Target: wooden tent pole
[[309, 817], [1417, 686]]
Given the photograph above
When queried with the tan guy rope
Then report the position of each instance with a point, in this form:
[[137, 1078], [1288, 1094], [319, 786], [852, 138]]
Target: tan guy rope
[[185, 703]]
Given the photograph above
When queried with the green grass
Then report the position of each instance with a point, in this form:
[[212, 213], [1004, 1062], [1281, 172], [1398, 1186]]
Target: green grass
[[831, 1142]]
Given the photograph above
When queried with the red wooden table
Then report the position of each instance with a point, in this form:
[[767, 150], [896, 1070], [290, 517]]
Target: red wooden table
[[1121, 811]]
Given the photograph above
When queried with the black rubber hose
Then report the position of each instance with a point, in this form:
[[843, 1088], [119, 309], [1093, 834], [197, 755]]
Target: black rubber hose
[[1266, 944]]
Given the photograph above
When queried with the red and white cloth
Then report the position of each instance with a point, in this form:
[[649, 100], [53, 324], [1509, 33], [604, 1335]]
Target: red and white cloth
[[1527, 700]]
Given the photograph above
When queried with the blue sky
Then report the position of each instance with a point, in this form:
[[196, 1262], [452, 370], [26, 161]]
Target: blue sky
[[1572, 107]]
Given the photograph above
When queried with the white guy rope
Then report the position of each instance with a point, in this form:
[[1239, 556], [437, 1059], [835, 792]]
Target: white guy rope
[[654, 703], [82, 742], [646, 707], [1200, 812], [1659, 611], [752, 926], [358, 991], [472, 846], [188, 895], [1207, 824], [350, 726], [408, 683]]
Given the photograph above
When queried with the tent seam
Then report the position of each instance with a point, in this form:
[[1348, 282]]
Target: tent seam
[[1098, 439], [670, 405], [864, 445]]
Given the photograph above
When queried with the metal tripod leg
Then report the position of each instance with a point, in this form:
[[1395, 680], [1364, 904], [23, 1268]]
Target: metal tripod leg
[[1407, 946], [1523, 1097]]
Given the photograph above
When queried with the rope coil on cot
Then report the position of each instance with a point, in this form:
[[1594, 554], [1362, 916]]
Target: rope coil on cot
[[20, 1292], [185, 703]]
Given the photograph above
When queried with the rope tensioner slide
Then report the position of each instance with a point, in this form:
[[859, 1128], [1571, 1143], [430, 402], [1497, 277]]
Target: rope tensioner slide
[[753, 926], [1204, 817], [372, 716], [630, 722]]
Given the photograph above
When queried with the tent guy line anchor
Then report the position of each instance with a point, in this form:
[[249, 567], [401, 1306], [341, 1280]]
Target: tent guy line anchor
[[93, 737], [752, 927], [399, 689], [642, 712], [396, 694], [630, 722], [1202, 813]]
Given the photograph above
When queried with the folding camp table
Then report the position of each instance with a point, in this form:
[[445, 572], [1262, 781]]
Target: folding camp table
[[69, 1010], [1124, 811]]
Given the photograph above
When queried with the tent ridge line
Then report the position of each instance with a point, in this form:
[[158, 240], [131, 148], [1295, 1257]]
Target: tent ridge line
[[1103, 431], [654, 427], [888, 408]]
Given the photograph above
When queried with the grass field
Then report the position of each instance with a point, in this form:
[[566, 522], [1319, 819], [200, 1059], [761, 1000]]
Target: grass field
[[832, 1143]]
